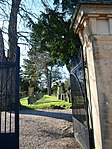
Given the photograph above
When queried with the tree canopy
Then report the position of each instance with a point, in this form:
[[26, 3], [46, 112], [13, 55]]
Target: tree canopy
[[68, 6], [52, 33], [38, 67]]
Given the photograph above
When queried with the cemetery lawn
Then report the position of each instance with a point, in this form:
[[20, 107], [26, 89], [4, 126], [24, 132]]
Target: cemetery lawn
[[46, 102]]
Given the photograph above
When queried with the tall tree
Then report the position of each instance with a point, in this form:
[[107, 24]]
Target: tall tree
[[12, 23], [52, 33], [67, 6], [12, 28], [38, 65], [8, 80]]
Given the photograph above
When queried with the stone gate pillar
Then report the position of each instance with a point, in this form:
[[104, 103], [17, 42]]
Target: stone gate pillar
[[93, 23]]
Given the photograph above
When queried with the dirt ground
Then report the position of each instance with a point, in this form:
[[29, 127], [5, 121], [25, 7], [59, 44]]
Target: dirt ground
[[47, 129]]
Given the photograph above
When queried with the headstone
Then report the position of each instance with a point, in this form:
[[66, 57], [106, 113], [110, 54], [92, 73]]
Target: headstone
[[59, 91], [31, 95]]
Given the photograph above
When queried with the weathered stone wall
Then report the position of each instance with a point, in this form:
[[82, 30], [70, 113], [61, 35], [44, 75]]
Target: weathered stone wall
[[93, 23], [103, 67]]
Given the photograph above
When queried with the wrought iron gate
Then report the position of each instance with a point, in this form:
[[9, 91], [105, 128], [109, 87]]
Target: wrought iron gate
[[80, 103], [9, 101]]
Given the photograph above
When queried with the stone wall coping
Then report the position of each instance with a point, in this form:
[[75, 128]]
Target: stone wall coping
[[85, 10]]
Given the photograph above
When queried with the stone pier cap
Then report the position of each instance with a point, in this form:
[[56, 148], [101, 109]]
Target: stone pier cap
[[90, 9]]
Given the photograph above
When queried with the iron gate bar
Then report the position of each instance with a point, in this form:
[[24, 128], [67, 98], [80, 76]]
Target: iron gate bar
[[11, 98], [1, 97], [6, 64], [17, 93]]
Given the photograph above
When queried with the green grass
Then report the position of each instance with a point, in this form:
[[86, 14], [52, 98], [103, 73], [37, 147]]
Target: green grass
[[46, 102]]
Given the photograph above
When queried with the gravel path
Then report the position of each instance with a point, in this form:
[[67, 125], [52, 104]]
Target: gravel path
[[47, 129]]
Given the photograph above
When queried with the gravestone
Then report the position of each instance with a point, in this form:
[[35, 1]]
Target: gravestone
[[31, 95], [59, 90]]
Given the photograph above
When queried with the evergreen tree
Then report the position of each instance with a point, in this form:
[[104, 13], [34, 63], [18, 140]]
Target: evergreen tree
[[52, 34], [39, 65]]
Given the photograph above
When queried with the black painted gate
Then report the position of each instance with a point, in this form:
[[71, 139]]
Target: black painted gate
[[9, 101], [81, 99]]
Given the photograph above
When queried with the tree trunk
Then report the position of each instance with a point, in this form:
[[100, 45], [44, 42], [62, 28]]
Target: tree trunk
[[12, 29], [49, 81], [13, 39]]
